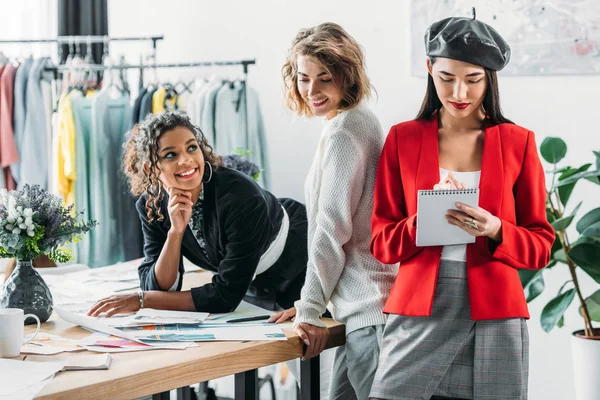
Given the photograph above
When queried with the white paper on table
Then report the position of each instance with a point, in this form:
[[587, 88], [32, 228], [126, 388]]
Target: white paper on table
[[161, 317], [48, 344], [89, 343], [17, 375], [219, 332], [28, 393], [91, 323]]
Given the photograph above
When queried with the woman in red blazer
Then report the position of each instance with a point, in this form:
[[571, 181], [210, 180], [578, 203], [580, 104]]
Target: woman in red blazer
[[456, 327]]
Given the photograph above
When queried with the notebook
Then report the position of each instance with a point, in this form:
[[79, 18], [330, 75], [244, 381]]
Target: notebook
[[432, 227], [76, 362]]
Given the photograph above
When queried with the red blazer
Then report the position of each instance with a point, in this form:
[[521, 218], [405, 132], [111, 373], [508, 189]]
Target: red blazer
[[512, 187]]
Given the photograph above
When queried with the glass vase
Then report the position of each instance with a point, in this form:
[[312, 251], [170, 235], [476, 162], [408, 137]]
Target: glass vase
[[25, 289]]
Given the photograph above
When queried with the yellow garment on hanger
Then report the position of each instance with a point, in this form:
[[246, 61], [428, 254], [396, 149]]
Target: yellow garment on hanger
[[66, 149], [158, 102]]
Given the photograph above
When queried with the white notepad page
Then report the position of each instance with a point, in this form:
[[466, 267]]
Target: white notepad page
[[432, 227]]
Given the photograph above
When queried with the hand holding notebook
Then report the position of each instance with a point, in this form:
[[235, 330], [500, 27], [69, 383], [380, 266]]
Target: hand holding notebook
[[432, 227]]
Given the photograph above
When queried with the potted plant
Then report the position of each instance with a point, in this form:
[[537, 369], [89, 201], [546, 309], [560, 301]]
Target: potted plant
[[33, 223], [581, 255]]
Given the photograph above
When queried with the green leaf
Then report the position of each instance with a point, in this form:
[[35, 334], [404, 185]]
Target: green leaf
[[591, 176], [572, 171], [560, 256], [594, 179], [549, 215], [561, 322], [533, 283], [593, 305], [553, 149], [554, 310], [592, 230], [585, 252], [556, 246], [597, 154], [588, 219], [551, 264], [564, 192], [559, 170], [563, 223]]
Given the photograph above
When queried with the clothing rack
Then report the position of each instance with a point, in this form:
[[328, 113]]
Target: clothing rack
[[91, 39], [142, 67], [85, 39]]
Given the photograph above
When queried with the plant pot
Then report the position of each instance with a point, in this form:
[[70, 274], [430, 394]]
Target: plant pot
[[25, 289], [586, 365]]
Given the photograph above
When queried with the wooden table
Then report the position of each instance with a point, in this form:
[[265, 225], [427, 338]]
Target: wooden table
[[155, 372]]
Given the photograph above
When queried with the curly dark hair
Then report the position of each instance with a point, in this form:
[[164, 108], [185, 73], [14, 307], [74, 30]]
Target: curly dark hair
[[142, 147]]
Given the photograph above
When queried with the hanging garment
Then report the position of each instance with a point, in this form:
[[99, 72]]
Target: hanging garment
[[192, 102], [46, 86], [8, 149], [237, 126], [19, 112], [2, 177], [137, 104], [66, 137], [146, 105], [160, 102], [207, 109], [111, 117], [82, 118], [34, 155]]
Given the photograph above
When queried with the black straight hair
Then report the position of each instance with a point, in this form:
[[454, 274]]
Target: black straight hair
[[491, 101]]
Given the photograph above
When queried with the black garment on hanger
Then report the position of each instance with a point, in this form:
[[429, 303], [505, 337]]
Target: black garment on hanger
[[88, 17]]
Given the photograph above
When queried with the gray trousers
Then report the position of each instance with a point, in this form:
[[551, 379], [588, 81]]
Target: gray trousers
[[355, 364]]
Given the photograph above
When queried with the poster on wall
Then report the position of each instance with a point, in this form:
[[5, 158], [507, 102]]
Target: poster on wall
[[547, 37]]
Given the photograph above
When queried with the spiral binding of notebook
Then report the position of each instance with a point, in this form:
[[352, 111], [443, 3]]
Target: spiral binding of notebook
[[432, 227], [447, 191]]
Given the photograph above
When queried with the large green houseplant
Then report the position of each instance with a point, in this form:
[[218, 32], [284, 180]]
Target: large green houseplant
[[579, 256]]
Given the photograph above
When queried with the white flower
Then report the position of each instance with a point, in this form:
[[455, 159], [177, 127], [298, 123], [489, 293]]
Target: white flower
[[30, 233], [16, 231], [19, 209], [4, 196], [10, 227], [27, 213], [11, 220], [20, 220], [29, 221], [22, 226]]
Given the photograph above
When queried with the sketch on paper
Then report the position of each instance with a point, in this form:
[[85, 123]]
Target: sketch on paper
[[547, 37]]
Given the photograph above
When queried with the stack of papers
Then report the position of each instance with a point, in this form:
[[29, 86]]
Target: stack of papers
[[76, 292], [24, 380], [47, 344], [78, 362]]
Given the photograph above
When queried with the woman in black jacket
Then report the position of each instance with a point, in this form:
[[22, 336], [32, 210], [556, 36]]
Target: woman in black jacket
[[218, 218]]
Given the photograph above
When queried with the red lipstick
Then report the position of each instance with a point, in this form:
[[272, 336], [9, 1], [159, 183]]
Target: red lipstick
[[459, 106]]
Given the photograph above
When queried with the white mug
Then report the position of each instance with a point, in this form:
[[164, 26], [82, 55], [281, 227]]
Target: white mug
[[12, 330]]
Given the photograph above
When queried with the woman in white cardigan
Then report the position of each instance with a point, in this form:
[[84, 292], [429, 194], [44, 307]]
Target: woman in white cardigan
[[325, 76]]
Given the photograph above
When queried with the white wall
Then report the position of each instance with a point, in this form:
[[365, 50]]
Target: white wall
[[211, 30]]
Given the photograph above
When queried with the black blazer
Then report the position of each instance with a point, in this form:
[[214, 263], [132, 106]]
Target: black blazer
[[240, 222]]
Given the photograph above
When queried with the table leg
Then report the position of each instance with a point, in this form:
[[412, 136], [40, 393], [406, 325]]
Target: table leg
[[162, 396], [246, 385], [310, 381], [185, 393]]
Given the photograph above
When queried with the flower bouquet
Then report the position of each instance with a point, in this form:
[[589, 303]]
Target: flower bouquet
[[33, 223]]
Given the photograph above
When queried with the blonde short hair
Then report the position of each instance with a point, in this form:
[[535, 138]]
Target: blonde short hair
[[339, 54]]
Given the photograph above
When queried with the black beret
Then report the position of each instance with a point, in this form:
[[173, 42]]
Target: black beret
[[468, 40]]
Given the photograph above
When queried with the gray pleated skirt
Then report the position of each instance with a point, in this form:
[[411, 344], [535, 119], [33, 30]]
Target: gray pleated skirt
[[448, 354]]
